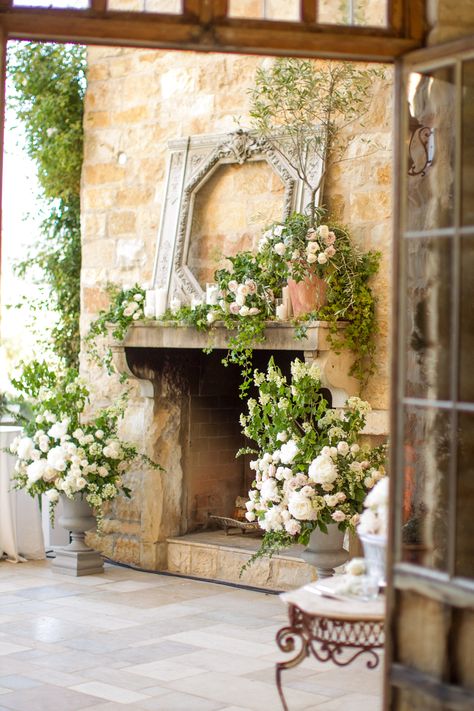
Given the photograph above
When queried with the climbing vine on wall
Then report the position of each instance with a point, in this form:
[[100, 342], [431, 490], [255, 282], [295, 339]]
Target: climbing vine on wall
[[47, 87]]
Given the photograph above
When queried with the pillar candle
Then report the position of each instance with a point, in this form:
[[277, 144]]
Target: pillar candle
[[212, 294], [149, 307], [161, 297], [285, 292]]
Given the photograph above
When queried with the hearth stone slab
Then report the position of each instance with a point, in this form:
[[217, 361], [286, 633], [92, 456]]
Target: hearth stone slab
[[214, 556]]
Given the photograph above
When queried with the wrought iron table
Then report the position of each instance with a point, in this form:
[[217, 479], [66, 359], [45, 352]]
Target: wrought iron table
[[337, 629]]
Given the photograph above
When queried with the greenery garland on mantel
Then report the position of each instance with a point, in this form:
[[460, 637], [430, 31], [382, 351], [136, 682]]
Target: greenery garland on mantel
[[250, 283]]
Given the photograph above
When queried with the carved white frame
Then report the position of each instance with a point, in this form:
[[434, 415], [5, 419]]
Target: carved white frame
[[192, 163]]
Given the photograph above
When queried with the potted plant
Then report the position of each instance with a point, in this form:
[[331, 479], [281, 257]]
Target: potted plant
[[63, 453], [311, 472]]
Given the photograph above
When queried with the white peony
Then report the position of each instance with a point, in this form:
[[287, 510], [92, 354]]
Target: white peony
[[292, 527], [269, 491], [322, 470], [35, 470], [57, 458], [300, 507], [59, 429], [288, 451], [25, 448]]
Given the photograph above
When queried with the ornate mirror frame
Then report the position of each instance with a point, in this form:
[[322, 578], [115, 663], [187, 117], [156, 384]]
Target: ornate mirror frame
[[192, 163]]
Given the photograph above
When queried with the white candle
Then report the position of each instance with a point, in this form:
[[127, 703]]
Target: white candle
[[149, 307], [161, 297], [281, 312], [212, 294], [285, 292]]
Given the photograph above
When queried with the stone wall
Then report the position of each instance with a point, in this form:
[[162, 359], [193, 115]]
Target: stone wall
[[137, 101]]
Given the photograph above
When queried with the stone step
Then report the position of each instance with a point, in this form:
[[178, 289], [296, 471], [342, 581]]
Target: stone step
[[213, 555]]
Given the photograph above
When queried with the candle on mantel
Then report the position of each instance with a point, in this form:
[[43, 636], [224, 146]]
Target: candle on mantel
[[161, 297], [149, 306], [212, 294], [281, 310], [285, 292]]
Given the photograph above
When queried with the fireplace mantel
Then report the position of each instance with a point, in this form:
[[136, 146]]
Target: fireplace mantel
[[314, 347]]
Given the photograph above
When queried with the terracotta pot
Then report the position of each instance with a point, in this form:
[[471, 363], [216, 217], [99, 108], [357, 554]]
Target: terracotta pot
[[307, 295]]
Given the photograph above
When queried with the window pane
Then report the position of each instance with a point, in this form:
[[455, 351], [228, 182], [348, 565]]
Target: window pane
[[428, 317], [265, 9], [430, 136], [467, 151], [465, 497], [425, 501], [466, 324], [353, 12]]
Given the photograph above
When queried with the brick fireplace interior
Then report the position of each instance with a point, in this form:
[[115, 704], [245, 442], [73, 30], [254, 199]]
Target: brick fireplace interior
[[209, 432]]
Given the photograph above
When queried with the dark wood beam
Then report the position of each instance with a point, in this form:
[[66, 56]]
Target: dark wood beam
[[187, 32]]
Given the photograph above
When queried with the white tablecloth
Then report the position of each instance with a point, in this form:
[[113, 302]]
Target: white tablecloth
[[21, 535]]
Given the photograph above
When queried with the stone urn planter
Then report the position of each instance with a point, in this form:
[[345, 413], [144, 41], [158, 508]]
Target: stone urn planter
[[307, 295], [325, 550], [77, 558]]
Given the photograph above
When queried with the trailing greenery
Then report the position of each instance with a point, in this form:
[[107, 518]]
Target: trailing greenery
[[126, 306], [48, 82]]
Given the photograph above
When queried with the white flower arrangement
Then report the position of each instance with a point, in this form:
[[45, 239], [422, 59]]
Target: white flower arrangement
[[309, 470], [374, 519], [58, 453]]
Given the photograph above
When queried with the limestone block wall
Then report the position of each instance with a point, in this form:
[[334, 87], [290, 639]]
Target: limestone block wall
[[136, 101]]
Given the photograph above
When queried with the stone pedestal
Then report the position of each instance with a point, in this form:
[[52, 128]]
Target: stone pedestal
[[77, 563]]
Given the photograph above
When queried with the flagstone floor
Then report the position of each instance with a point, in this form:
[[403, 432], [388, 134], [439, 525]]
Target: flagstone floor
[[133, 640]]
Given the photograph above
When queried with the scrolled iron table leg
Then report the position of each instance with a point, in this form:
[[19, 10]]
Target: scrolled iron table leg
[[287, 639]]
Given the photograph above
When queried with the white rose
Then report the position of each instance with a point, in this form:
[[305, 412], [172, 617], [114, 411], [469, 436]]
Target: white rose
[[138, 297], [322, 470], [240, 299], [354, 448], [323, 231], [25, 448], [312, 247], [254, 311], [311, 258], [273, 519], [280, 248], [59, 429], [300, 507], [278, 230], [292, 527], [99, 434], [343, 448], [288, 451], [269, 491], [244, 310], [81, 483], [338, 516], [282, 436], [211, 317], [322, 258], [35, 470], [57, 458], [233, 285]]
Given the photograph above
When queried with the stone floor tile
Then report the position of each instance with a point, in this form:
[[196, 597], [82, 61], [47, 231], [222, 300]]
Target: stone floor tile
[[179, 701], [17, 681], [227, 644], [11, 648], [354, 702], [217, 660], [47, 698], [256, 695], [121, 677], [165, 670], [110, 692]]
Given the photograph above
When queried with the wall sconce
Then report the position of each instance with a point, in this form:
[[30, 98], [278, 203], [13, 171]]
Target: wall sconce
[[420, 147]]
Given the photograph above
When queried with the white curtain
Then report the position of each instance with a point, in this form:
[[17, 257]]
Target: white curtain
[[21, 535]]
